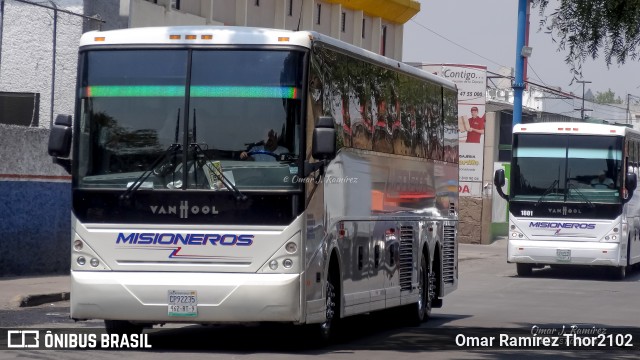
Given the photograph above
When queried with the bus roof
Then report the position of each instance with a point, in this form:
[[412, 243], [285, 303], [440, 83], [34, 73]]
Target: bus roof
[[239, 35], [576, 128]]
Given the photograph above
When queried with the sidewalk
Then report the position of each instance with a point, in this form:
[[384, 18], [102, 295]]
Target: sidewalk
[[16, 292]]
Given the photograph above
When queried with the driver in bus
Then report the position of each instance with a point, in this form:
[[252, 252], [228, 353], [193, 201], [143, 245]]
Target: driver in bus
[[270, 145], [602, 182]]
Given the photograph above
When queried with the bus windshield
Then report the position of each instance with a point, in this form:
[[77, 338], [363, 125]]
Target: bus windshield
[[223, 111], [565, 168]]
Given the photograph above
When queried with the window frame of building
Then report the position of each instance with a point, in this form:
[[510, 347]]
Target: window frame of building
[[343, 22], [383, 41], [21, 103]]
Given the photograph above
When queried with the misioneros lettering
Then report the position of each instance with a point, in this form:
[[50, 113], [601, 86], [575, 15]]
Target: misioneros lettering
[[556, 225], [184, 239]]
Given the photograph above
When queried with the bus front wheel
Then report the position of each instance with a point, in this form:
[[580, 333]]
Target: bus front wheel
[[524, 270], [618, 272], [122, 327]]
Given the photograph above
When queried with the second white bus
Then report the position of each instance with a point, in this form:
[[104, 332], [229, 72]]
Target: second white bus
[[571, 196]]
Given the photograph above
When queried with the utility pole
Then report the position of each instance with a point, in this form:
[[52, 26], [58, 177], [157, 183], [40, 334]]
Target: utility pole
[[628, 117], [582, 109], [521, 53]]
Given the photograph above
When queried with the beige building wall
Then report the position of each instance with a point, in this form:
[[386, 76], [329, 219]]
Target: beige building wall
[[375, 25]]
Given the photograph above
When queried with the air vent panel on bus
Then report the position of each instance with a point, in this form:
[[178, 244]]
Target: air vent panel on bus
[[406, 257], [449, 254]]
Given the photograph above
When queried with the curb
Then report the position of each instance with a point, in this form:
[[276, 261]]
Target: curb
[[35, 300]]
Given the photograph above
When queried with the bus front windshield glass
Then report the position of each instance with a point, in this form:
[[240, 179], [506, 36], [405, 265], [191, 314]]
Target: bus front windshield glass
[[566, 168], [240, 111]]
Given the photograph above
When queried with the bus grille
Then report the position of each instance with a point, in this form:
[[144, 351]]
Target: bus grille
[[406, 257], [449, 255]]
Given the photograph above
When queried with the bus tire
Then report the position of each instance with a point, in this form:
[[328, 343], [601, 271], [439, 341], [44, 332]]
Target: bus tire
[[122, 327], [418, 312], [328, 329], [524, 270], [618, 272]]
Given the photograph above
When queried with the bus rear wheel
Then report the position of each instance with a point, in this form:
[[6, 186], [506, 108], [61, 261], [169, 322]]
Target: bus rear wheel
[[524, 270], [416, 313]]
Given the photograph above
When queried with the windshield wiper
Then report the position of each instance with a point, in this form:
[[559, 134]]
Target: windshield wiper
[[570, 185], [217, 172], [171, 150], [547, 191]]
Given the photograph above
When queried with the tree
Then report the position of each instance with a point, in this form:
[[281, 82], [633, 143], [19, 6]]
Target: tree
[[588, 27], [607, 97]]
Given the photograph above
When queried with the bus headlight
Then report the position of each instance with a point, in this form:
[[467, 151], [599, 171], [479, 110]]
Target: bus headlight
[[287, 263], [291, 247], [273, 264], [77, 245], [81, 260], [94, 262], [610, 237]]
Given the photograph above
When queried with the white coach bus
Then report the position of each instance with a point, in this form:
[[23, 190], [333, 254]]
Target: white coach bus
[[571, 196], [228, 174]]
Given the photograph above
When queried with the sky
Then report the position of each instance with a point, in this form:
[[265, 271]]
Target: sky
[[484, 33]]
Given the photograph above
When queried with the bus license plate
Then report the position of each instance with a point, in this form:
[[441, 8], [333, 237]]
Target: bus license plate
[[183, 303], [563, 254]]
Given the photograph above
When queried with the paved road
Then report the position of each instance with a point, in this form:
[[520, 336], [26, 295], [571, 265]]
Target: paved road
[[490, 300]]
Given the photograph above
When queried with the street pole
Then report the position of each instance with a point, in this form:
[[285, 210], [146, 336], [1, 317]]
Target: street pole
[[628, 114], [518, 83], [582, 109]]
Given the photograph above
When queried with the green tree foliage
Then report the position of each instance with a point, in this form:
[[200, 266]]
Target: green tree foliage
[[590, 28], [607, 97]]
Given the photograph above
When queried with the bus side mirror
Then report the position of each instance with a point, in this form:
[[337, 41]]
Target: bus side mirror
[[498, 178], [631, 181], [60, 141], [499, 181], [324, 139]]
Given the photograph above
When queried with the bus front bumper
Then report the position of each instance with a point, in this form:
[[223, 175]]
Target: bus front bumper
[[221, 297], [563, 252]]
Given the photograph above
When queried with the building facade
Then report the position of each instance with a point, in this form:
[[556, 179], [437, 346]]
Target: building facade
[[375, 25], [38, 60]]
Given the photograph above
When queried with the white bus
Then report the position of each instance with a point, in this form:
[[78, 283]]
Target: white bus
[[571, 196], [229, 174]]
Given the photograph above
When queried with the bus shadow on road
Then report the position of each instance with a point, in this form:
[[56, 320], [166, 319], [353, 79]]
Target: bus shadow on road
[[576, 272], [379, 331]]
